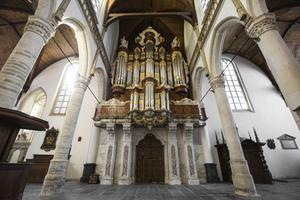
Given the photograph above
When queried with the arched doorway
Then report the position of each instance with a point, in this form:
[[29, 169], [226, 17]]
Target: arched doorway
[[150, 161]]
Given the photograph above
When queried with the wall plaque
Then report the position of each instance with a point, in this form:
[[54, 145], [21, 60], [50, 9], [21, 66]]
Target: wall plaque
[[50, 139]]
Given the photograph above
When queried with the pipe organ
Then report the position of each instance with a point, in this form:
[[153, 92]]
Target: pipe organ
[[149, 85]]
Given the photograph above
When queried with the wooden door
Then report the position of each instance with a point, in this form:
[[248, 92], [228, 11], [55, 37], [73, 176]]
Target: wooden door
[[150, 161]]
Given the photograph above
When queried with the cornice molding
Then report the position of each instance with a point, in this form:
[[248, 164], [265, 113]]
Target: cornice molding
[[44, 28], [261, 24], [91, 18], [212, 10], [217, 82]]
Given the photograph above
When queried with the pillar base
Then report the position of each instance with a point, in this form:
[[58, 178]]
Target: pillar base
[[55, 178], [242, 179], [107, 181], [88, 170], [124, 181], [175, 181], [193, 181], [211, 173]]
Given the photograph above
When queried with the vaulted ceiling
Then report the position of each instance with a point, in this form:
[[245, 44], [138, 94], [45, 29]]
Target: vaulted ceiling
[[13, 17], [166, 16], [288, 20]]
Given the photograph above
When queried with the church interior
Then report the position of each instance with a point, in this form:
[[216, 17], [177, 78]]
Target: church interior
[[149, 99]]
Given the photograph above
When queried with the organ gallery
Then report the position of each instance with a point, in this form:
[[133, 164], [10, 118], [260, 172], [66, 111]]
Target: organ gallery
[[150, 91]]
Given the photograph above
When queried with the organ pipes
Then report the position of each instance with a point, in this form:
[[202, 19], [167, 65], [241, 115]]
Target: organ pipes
[[148, 74]]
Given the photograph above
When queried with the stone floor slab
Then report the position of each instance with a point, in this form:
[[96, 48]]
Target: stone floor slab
[[74, 190]]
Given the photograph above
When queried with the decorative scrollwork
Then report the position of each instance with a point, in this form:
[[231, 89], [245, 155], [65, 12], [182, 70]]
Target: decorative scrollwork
[[42, 27], [263, 23]]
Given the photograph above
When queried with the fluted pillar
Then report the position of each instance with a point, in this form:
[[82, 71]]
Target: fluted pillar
[[18, 66], [189, 154], [55, 177], [280, 60], [241, 177], [108, 176], [126, 162], [173, 158]]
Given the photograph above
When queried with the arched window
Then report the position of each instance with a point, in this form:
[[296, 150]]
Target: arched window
[[65, 91], [38, 105], [234, 87], [33, 105]]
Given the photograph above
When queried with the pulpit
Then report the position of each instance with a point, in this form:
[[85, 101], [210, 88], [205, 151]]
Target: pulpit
[[14, 175]]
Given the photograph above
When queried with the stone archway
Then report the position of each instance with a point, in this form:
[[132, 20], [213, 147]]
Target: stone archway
[[150, 161]]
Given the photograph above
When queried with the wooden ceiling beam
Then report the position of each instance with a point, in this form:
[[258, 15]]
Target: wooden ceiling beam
[[67, 40], [9, 23], [282, 7], [13, 23], [290, 26], [115, 16], [29, 5], [21, 10]]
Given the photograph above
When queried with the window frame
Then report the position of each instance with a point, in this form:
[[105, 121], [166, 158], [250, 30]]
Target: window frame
[[59, 88], [241, 85]]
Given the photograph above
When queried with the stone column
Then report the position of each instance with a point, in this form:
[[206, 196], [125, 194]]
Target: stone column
[[18, 66], [210, 166], [125, 168], [94, 143], [90, 165], [241, 177], [206, 145], [173, 158], [190, 164], [55, 177], [280, 60], [108, 176]]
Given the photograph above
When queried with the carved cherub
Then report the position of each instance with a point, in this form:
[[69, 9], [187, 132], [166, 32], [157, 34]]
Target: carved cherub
[[124, 42], [176, 42]]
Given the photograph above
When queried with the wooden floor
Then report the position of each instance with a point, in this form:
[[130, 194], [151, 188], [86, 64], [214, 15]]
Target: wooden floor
[[73, 190]]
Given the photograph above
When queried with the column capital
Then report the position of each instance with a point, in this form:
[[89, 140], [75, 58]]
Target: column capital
[[172, 127], [189, 129], [42, 27], [127, 131], [110, 127], [217, 82], [82, 82], [261, 24], [188, 126], [126, 127]]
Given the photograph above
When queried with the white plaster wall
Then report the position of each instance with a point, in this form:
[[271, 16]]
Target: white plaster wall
[[86, 43], [190, 40], [49, 80], [271, 118], [226, 11], [110, 39], [83, 129]]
